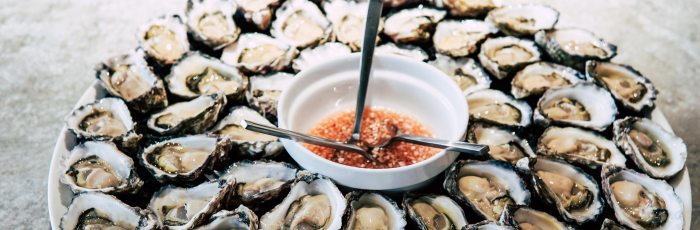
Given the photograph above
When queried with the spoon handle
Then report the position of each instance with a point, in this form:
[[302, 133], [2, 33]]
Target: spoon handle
[[300, 137], [459, 146]]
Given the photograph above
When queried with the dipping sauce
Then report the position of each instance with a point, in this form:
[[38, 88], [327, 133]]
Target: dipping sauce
[[339, 127]]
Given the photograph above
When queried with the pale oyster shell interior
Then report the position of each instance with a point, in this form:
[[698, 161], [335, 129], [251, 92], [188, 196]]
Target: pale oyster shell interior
[[106, 119], [240, 218], [108, 208], [250, 172], [411, 51], [183, 158], [523, 216], [190, 117], [99, 166], [580, 146], [504, 55], [536, 78], [468, 74], [310, 57], [301, 24], [348, 19], [524, 19], [460, 38], [264, 92], [495, 106], [250, 144], [468, 8], [414, 25], [211, 22], [197, 74], [504, 144], [257, 53], [573, 47], [421, 207], [164, 38], [626, 84], [593, 100], [184, 208], [368, 210], [258, 12]]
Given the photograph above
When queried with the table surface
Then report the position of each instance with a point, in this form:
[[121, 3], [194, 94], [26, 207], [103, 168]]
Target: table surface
[[48, 50]]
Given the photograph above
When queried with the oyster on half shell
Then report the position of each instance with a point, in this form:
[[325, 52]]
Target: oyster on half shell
[[526, 218], [258, 12], [95, 210], [504, 144], [256, 53], [211, 22], [240, 218], [488, 225], [191, 117], [264, 93], [414, 25], [573, 47], [301, 24], [461, 38], [505, 55], [184, 159], [107, 119], [348, 19], [180, 208], [249, 144], [369, 210], [496, 107], [466, 72], [536, 78], [197, 74], [310, 57], [164, 38], [583, 104], [626, 85], [523, 20], [411, 51], [467, 8], [430, 211], [579, 147], [259, 184]]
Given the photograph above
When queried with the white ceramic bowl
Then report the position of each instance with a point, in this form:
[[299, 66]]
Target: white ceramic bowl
[[399, 83]]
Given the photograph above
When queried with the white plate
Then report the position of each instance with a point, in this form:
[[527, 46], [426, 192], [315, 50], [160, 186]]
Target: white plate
[[60, 195]]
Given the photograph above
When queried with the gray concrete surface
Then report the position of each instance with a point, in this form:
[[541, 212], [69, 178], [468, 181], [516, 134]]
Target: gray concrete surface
[[48, 49]]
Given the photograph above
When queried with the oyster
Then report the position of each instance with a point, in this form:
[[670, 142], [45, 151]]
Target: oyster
[[258, 12], [301, 24], [107, 119], [184, 159], [583, 105], [536, 78], [461, 38], [468, 8], [414, 25], [197, 74], [526, 218], [626, 85], [188, 208], [101, 167], [310, 57], [641, 202], [496, 107], [241, 218], [488, 225], [95, 210], [486, 186], [191, 117], [523, 20], [431, 211], [504, 144], [128, 77], [467, 73], [256, 53], [411, 51], [259, 183], [211, 22], [573, 47], [658, 153], [369, 210], [609, 224], [505, 55], [348, 19], [164, 38], [565, 188], [314, 202], [265, 91], [579, 147], [249, 144]]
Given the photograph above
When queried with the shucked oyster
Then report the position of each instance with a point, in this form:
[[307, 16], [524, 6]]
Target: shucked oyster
[[609, 224], [414, 25], [184, 159], [369, 210], [658, 153], [536, 78], [468, 8], [310, 57], [314, 202], [496, 107], [249, 144], [460, 38], [256, 53], [95, 210], [488, 225], [301, 24], [505, 55], [431, 211], [107, 119], [187, 208], [259, 183], [240, 218], [411, 51], [573, 47], [468, 74], [191, 117], [583, 105], [129, 77], [627, 86], [641, 202], [526, 218], [164, 38], [258, 12], [348, 19], [101, 167], [486, 186], [579, 147], [265, 91], [211, 22], [504, 144], [523, 20], [566, 188], [197, 74]]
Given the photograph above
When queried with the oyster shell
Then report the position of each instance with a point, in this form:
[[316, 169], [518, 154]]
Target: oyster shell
[[658, 153], [526, 218], [348, 19], [301, 24], [573, 47], [536, 78], [626, 85], [414, 25], [310, 57], [188, 208], [641, 202], [259, 183], [411, 51], [241, 218], [184, 159], [461, 38], [249, 144], [191, 117], [369, 210], [164, 38], [95, 210], [488, 225], [256, 53], [197, 74], [313, 195], [565, 188], [100, 167], [609, 224], [211, 22], [486, 186], [264, 93], [466, 72], [505, 55], [579, 147], [468, 8], [430, 211], [128, 77], [523, 20], [583, 105], [493, 106], [258, 12], [107, 119], [504, 144]]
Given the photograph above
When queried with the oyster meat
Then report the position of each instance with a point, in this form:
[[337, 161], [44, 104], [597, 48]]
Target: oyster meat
[[259, 183], [411, 51], [191, 117], [240, 218], [496, 107], [467, 8], [461, 38], [310, 57], [369, 210], [348, 19], [523, 20], [184, 159], [414, 25], [249, 144], [211, 22], [197, 74], [526, 218], [301, 24], [164, 38], [95, 210], [583, 104], [627, 86], [609, 224], [579, 147], [258, 12], [264, 93], [488, 225], [187, 208], [107, 119], [505, 55], [101, 167], [466, 72], [504, 144], [431, 211], [538, 77], [573, 47], [256, 53]]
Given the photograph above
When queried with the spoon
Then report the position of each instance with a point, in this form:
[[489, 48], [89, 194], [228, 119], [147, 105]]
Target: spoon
[[458, 146]]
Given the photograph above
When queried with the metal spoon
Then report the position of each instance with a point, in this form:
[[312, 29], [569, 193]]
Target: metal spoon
[[458, 146]]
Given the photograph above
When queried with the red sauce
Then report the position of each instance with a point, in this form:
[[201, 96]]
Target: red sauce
[[339, 127]]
